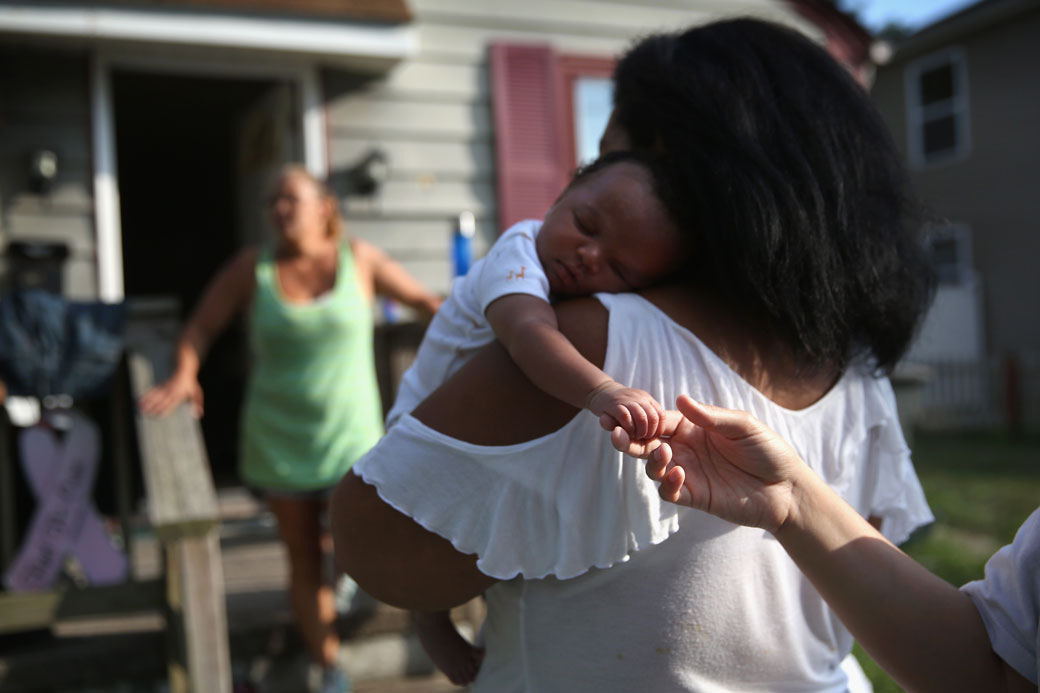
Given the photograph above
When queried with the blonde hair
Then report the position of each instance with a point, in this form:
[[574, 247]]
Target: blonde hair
[[335, 227]]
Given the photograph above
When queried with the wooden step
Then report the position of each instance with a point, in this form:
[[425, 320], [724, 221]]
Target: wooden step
[[83, 649]]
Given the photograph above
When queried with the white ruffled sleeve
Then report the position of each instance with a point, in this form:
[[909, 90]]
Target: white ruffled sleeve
[[557, 505], [895, 495]]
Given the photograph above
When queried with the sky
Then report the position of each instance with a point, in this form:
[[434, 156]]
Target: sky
[[875, 14]]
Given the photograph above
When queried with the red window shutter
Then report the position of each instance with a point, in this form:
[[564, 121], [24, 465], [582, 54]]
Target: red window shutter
[[525, 86]]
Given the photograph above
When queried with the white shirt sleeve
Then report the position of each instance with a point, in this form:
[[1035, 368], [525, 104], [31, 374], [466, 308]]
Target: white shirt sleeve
[[894, 492], [512, 267], [1008, 599]]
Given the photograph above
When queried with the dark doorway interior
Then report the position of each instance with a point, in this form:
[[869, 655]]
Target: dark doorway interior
[[176, 138]]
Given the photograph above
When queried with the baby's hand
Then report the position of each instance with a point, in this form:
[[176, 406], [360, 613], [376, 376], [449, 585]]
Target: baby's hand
[[634, 410], [722, 461]]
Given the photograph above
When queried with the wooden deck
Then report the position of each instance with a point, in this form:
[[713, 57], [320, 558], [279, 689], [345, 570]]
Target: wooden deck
[[202, 563], [127, 653]]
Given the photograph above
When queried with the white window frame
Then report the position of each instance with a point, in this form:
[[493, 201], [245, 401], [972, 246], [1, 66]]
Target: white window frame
[[958, 106]]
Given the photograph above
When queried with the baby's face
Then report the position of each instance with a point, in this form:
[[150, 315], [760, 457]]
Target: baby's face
[[608, 233]]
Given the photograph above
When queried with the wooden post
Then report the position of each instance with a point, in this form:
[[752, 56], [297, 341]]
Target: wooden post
[[121, 458], [199, 660], [395, 346], [182, 508]]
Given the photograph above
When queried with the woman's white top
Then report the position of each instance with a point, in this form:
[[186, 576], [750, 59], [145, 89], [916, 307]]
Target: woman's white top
[[459, 327], [1008, 599], [608, 588]]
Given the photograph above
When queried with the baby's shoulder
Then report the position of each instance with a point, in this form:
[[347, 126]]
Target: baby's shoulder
[[521, 233], [516, 246]]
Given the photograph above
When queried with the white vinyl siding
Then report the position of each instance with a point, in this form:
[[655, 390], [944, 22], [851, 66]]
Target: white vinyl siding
[[44, 106]]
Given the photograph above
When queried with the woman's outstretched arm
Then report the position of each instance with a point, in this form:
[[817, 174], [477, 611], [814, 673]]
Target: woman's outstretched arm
[[228, 293], [487, 402], [390, 279], [926, 633]]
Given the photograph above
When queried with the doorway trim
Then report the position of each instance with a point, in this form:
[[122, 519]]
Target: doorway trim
[[107, 222]]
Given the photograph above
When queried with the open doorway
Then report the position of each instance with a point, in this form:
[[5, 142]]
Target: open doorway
[[193, 155]]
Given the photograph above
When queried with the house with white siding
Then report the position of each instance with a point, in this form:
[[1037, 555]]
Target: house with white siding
[[138, 135], [164, 117]]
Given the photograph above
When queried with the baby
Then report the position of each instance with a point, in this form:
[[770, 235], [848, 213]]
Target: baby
[[611, 230]]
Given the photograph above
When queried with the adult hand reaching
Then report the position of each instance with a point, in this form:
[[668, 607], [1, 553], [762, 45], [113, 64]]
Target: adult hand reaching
[[721, 461], [163, 398], [923, 631]]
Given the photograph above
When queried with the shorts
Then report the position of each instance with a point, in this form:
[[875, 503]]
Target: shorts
[[311, 494]]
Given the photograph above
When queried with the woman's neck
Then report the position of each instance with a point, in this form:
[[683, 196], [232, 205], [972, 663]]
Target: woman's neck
[[747, 345], [305, 249]]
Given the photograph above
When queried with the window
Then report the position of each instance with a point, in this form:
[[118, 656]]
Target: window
[[937, 108], [593, 99], [950, 249]]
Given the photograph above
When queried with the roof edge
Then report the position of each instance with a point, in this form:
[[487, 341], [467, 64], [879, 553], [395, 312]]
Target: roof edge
[[968, 20], [319, 38]]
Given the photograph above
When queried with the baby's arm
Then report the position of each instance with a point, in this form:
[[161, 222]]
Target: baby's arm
[[526, 326]]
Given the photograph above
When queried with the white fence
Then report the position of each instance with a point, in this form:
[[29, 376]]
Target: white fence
[[982, 394]]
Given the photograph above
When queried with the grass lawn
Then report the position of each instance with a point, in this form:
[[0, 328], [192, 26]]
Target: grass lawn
[[981, 487]]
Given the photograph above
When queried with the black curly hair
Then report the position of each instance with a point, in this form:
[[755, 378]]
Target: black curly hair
[[794, 193]]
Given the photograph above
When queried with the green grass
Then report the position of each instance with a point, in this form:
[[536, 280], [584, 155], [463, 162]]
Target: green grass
[[981, 487]]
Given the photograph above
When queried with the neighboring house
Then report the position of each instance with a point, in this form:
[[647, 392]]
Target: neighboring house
[[962, 97], [166, 118]]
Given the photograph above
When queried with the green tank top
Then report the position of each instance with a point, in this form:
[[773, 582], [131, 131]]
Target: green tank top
[[312, 405]]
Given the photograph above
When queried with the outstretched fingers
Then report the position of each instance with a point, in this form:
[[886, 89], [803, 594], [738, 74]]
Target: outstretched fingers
[[672, 478], [673, 487], [728, 423]]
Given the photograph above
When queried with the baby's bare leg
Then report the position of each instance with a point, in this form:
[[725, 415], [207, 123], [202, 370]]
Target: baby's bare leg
[[450, 652]]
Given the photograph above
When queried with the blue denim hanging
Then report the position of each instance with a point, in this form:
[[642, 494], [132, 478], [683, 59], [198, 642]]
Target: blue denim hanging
[[50, 345]]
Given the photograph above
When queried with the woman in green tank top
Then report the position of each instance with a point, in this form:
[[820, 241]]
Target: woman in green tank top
[[312, 404]]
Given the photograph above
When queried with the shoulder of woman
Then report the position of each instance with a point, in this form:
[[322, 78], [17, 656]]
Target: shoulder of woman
[[584, 322], [239, 272], [229, 289], [242, 263], [365, 253]]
